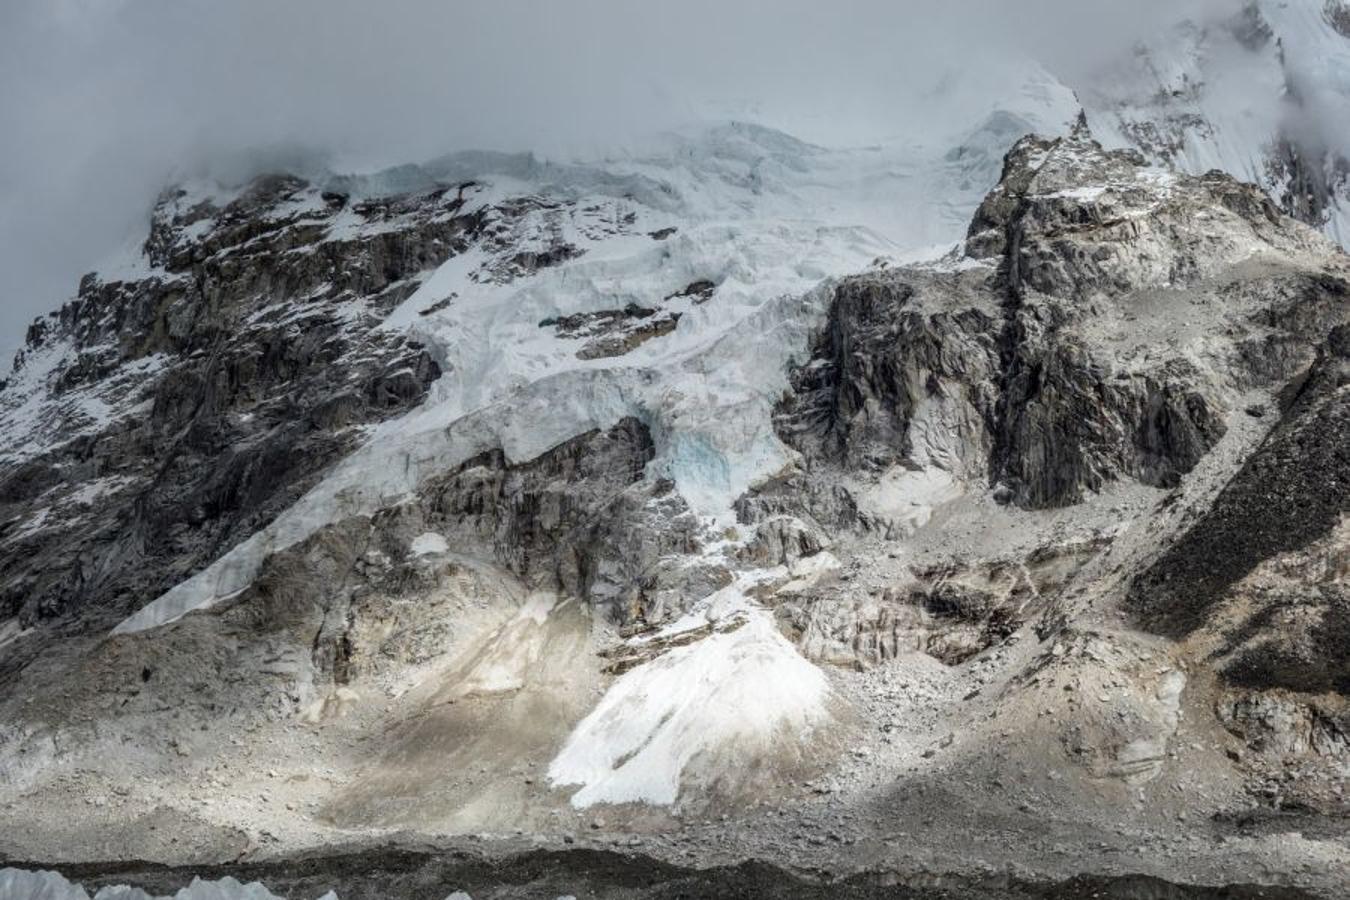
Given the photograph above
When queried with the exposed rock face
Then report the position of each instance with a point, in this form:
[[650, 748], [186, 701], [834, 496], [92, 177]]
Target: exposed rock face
[[528, 237], [168, 413], [578, 521], [1071, 417], [1315, 179], [1033, 373], [1337, 13], [796, 493], [949, 612], [191, 403], [1282, 727], [903, 371], [1116, 321], [613, 332]]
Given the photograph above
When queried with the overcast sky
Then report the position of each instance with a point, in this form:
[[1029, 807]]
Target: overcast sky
[[102, 102]]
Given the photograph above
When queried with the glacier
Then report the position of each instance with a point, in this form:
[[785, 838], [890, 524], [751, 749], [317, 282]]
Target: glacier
[[1247, 92], [768, 219]]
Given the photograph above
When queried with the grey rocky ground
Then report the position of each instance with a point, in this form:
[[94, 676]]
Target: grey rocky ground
[[426, 872]]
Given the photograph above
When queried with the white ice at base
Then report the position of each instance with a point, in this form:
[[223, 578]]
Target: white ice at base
[[731, 697], [21, 884]]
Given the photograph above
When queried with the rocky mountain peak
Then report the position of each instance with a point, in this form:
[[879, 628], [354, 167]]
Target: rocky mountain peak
[[1095, 333], [573, 506]]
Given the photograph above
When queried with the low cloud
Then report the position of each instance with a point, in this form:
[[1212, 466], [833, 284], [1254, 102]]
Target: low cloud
[[105, 101]]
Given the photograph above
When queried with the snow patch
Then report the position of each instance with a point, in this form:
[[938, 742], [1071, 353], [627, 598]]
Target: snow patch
[[429, 543], [1081, 194], [728, 699], [716, 607]]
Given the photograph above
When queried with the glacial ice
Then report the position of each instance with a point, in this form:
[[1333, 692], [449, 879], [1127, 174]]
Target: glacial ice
[[770, 243], [22, 884], [764, 216]]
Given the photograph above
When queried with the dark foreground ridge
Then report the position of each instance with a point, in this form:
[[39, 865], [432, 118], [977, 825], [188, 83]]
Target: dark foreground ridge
[[591, 874]]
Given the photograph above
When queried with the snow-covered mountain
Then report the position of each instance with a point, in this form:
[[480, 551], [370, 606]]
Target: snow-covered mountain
[[967, 501], [1260, 94]]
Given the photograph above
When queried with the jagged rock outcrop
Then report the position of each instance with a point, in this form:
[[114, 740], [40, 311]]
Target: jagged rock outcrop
[[1106, 337], [1337, 14], [613, 332], [904, 370], [1315, 179], [192, 402], [579, 520], [1110, 324], [172, 410], [795, 493], [949, 612]]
